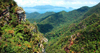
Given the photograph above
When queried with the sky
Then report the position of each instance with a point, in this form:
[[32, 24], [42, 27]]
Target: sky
[[61, 3]]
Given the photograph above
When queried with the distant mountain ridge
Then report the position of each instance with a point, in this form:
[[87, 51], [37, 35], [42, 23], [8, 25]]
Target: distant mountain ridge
[[43, 7], [63, 17], [46, 8], [37, 15]]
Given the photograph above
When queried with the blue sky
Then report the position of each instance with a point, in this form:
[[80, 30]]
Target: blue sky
[[60, 3]]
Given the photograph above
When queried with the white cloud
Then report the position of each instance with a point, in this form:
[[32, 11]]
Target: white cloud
[[63, 3]]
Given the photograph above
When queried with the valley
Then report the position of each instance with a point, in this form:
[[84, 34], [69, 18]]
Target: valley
[[67, 31]]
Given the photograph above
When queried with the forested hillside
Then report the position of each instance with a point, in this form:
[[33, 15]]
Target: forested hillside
[[61, 19], [35, 16], [80, 36], [62, 29], [18, 35], [76, 31]]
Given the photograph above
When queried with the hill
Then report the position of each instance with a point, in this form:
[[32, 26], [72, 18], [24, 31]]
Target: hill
[[37, 16], [18, 35], [60, 19], [81, 36], [32, 15]]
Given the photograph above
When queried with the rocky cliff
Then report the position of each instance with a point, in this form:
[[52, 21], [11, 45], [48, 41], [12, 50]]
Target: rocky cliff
[[17, 35]]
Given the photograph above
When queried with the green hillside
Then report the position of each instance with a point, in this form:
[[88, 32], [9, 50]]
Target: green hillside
[[35, 17], [62, 29], [61, 19], [82, 36], [32, 15], [77, 31], [18, 35]]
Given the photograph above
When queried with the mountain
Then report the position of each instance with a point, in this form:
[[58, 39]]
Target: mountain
[[62, 18], [35, 17], [43, 7], [81, 36], [18, 35], [74, 31], [46, 8], [77, 31], [32, 15]]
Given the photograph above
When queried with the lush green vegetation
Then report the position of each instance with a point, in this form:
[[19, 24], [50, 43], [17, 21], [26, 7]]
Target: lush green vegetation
[[80, 36], [15, 36], [61, 20], [35, 17], [18, 38], [75, 32]]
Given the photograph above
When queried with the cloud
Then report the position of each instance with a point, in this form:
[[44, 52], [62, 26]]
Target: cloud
[[63, 3], [45, 8]]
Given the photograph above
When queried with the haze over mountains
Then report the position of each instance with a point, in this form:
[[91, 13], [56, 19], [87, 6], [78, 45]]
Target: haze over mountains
[[46, 8]]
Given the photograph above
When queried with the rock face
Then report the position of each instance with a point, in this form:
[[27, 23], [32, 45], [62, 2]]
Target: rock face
[[19, 11], [5, 12], [42, 46], [45, 39], [21, 14]]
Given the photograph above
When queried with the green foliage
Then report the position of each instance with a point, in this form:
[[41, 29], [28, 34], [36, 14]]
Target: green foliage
[[60, 21], [76, 31], [5, 3], [84, 30], [37, 16], [0, 10], [17, 37], [44, 28]]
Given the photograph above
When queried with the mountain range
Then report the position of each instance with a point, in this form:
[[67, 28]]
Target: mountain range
[[46, 8], [62, 18], [35, 16], [80, 36], [74, 31]]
